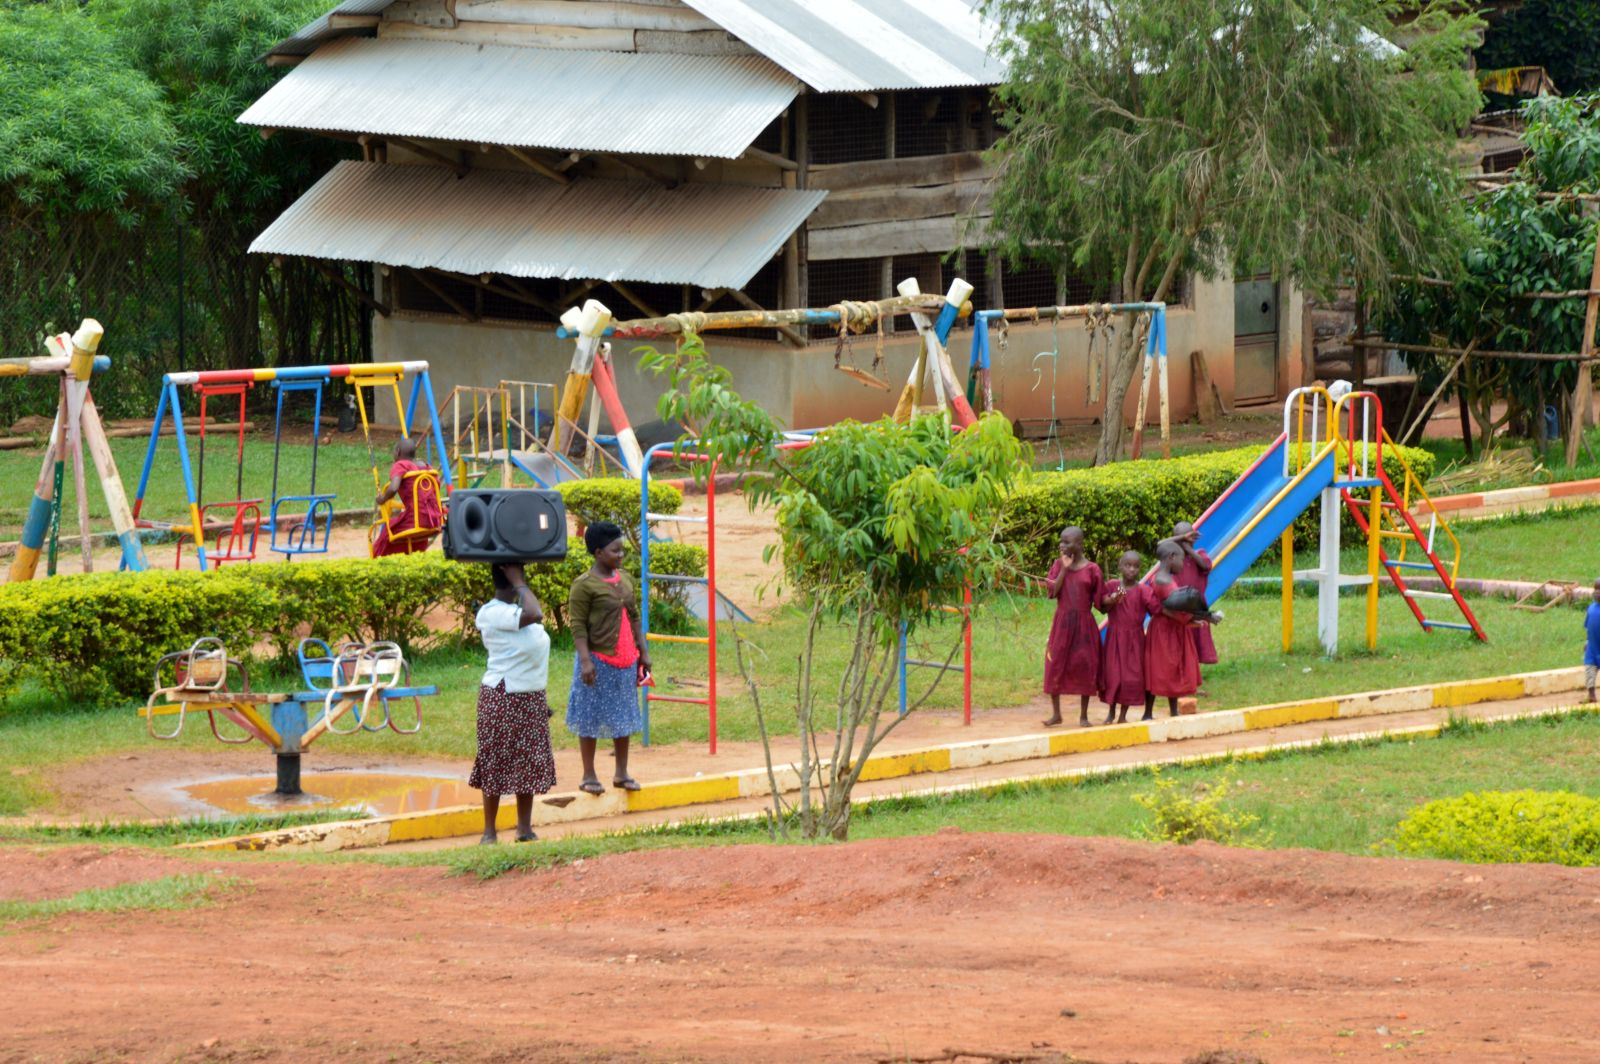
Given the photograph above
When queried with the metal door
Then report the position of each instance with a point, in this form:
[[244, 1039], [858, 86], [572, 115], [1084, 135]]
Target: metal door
[[1255, 339]]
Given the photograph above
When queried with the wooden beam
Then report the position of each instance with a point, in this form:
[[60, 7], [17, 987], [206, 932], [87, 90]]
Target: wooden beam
[[426, 282], [646, 172], [599, 40], [460, 168], [876, 205], [628, 294], [771, 157], [915, 237], [584, 14], [521, 296], [337, 21], [899, 173], [354, 289], [542, 169]]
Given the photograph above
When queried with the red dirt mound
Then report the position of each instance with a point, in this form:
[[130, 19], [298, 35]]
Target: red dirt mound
[[1019, 947]]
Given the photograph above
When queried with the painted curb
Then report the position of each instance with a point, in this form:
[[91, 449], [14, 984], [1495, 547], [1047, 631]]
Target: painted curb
[[754, 783], [1528, 499]]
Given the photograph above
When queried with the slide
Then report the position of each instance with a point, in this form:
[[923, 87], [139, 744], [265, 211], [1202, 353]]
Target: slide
[[1252, 514]]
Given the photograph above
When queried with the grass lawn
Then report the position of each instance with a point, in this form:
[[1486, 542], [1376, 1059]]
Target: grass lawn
[[342, 469], [1341, 798], [169, 892]]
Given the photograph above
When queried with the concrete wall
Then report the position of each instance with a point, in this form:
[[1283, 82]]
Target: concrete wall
[[801, 386]]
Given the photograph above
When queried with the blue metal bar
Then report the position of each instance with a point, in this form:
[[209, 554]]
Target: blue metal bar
[[426, 385], [904, 707], [155, 438], [1447, 624], [188, 475]]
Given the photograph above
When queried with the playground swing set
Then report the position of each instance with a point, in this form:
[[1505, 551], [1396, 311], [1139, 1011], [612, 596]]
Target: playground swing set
[[298, 524]]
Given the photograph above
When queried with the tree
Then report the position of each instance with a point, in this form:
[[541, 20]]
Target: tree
[[1145, 137], [1523, 241], [880, 524]]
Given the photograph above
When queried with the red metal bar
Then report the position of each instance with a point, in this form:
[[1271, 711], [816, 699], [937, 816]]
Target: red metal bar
[[1282, 437], [966, 661], [711, 599]]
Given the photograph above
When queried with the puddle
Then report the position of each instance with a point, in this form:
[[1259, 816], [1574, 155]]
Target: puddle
[[378, 793]]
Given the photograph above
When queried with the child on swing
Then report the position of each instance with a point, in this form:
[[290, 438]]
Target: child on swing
[[419, 508], [1072, 656], [1171, 660], [1125, 602]]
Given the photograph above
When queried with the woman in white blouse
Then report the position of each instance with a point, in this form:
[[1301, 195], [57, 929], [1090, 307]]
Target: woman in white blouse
[[514, 755]]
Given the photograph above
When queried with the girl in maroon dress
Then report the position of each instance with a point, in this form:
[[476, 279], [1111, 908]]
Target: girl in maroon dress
[[1126, 603], [1072, 657], [1171, 662], [1195, 573]]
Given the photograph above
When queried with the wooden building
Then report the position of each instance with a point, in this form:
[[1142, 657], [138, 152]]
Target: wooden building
[[519, 156]]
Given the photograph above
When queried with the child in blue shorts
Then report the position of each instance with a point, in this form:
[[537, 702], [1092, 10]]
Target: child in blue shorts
[[1591, 648]]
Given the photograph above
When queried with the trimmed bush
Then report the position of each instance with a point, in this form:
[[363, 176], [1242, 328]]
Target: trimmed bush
[[616, 499], [1505, 827], [1132, 505], [101, 635]]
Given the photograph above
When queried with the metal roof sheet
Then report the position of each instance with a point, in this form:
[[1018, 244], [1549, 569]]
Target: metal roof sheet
[[494, 221], [866, 45], [649, 104], [305, 40]]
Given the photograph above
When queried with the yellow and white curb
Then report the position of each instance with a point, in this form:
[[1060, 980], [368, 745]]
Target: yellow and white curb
[[756, 783]]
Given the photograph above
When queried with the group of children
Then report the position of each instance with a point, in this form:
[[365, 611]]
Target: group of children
[[1135, 663]]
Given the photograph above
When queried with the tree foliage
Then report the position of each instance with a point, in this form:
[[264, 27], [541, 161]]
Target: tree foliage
[[1563, 36], [1520, 244], [1144, 137], [880, 525]]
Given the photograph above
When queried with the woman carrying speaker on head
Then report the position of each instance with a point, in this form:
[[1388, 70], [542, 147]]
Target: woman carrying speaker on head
[[612, 659], [514, 755]]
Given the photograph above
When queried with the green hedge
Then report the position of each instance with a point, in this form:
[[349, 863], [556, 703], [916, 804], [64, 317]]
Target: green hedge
[[1505, 827], [1132, 505], [616, 499], [100, 635]]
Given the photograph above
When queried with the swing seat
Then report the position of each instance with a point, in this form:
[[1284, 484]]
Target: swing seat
[[236, 537], [424, 485], [864, 377], [302, 538]]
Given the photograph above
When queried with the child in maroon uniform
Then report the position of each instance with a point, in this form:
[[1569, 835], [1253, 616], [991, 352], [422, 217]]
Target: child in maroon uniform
[[1171, 662], [1195, 573], [425, 514], [1126, 603], [1072, 657]]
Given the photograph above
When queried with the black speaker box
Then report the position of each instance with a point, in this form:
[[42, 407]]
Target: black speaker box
[[505, 525]]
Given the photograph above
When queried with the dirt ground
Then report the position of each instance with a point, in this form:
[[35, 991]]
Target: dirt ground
[[1023, 947]]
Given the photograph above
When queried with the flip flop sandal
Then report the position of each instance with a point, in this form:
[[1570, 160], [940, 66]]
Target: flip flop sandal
[[591, 787], [627, 783]]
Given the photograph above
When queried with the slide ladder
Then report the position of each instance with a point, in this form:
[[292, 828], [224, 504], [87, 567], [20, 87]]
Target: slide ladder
[[1398, 510]]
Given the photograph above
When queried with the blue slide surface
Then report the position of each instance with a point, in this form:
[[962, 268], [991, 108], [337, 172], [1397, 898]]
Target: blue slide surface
[[1226, 532]]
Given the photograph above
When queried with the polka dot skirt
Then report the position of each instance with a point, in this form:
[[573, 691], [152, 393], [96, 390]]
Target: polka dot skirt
[[514, 755]]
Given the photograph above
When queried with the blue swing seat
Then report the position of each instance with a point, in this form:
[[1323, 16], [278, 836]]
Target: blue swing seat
[[303, 538]]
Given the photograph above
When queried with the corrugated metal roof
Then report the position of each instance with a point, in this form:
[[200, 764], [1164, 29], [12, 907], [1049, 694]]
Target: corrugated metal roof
[[493, 221], [649, 104], [305, 40], [866, 45]]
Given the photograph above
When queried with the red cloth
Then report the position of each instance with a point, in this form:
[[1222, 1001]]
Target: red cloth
[[1191, 576], [627, 650], [1072, 657], [404, 519], [1171, 663], [1122, 656]]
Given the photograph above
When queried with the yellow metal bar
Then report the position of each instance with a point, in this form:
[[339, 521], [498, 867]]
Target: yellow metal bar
[[1288, 588], [400, 407], [366, 433], [1374, 526], [699, 640], [250, 713]]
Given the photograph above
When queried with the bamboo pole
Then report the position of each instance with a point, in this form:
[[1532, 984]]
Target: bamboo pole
[[1583, 387], [1520, 356], [675, 324]]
